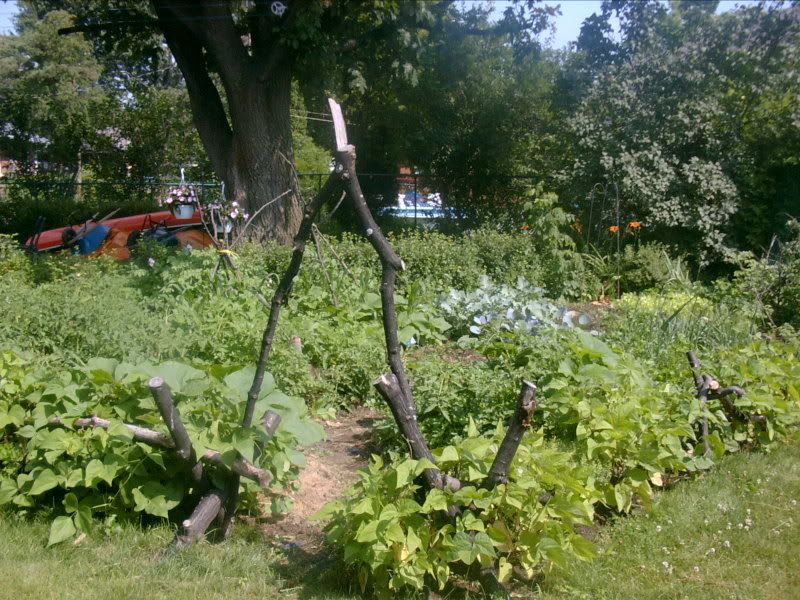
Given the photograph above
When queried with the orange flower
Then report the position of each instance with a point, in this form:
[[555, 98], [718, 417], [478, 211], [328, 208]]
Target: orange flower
[[614, 228], [635, 224], [525, 227]]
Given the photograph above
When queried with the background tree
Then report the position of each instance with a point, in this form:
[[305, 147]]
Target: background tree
[[669, 114], [239, 59], [51, 100]]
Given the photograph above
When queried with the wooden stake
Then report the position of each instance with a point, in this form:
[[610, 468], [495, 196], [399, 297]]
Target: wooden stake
[[526, 406]]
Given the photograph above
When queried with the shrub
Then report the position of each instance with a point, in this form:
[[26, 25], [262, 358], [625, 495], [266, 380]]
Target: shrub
[[76, 475]]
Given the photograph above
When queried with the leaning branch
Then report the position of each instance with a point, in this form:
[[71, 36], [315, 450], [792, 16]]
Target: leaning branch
[[406, 420], [156, 439], [526, 406]]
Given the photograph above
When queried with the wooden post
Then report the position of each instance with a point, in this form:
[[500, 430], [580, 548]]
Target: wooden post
[[701, 383], [194, 528], [172, 418], [526, 406], [271, 422], [406, 420]]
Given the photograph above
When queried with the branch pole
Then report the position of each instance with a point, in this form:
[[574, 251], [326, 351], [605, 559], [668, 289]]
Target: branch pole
[[331, 187], [322, 266], [172, 418], [391, 263], [388, 388], [240, 466], [520, 420], [194, 528], [284, 289]]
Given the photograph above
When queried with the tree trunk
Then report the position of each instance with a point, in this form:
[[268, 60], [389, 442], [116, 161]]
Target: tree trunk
[[261, 165], [248, 138]]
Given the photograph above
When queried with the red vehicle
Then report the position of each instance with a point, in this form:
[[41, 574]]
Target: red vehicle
[[115, 237]]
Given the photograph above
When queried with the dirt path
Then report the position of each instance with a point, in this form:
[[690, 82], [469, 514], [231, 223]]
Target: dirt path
[[331, 468]]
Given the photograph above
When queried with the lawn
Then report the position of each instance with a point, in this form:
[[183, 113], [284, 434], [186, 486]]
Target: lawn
[[696, 543]]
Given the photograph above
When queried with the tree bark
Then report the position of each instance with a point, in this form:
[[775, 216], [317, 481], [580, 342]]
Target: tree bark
[[194, 528], [248, 138], [526, 406]]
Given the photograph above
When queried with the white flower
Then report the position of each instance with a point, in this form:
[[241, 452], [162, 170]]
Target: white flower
[[475, 329], [697, 569], [726, 543], [412, 341], [658, 528], [151, 261], [234, 203]]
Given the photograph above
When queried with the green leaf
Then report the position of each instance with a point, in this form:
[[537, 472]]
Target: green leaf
[[71, 503], [43, 481], [553, 552], [179, 375], [100, 471], [8, 489], [61, 529], [156, 499], [241, 380], [583, 548], [363, 507], [504, 570], [83, 517], [448, 454], [243, 443], [435, 500], [367, 532]]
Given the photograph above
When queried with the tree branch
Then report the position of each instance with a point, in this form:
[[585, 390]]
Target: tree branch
[[211, 22], [208, 111], [390, 264], [240, 466], [526, 406], [406, 420]]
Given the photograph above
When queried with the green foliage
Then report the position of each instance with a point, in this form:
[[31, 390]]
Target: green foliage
[[50, 85], [79, 474], [658, 327], [678, 112], [773, 282], [394, 538]]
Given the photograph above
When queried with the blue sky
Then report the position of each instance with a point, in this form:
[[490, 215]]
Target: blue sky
[[568, 25]]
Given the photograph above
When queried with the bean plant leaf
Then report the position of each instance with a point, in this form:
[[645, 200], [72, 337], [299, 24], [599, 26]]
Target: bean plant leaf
[[62, 528], [156, 499], [44, 480]]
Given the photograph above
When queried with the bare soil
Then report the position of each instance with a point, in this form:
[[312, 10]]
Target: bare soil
[[332, 466]]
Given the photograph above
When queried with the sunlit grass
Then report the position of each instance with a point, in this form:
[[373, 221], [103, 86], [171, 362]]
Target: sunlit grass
[[697, 543], [735, 533]]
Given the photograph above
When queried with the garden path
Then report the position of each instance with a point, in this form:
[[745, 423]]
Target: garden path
[[331, 468]]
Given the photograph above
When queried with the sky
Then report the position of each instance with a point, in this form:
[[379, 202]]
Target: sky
[[568, 25]]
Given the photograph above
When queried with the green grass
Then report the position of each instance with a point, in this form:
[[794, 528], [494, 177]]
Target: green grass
[[688, 530], [761, 562]]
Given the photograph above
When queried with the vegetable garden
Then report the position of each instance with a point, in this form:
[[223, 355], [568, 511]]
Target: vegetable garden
[[128, 393]]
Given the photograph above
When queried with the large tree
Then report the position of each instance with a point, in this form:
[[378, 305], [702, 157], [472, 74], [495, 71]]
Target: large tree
[[678, 114], [51, 99], [239, 59]]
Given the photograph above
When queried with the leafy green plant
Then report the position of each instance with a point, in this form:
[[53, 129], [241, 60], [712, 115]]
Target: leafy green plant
[[77, 474], [395, 538]]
